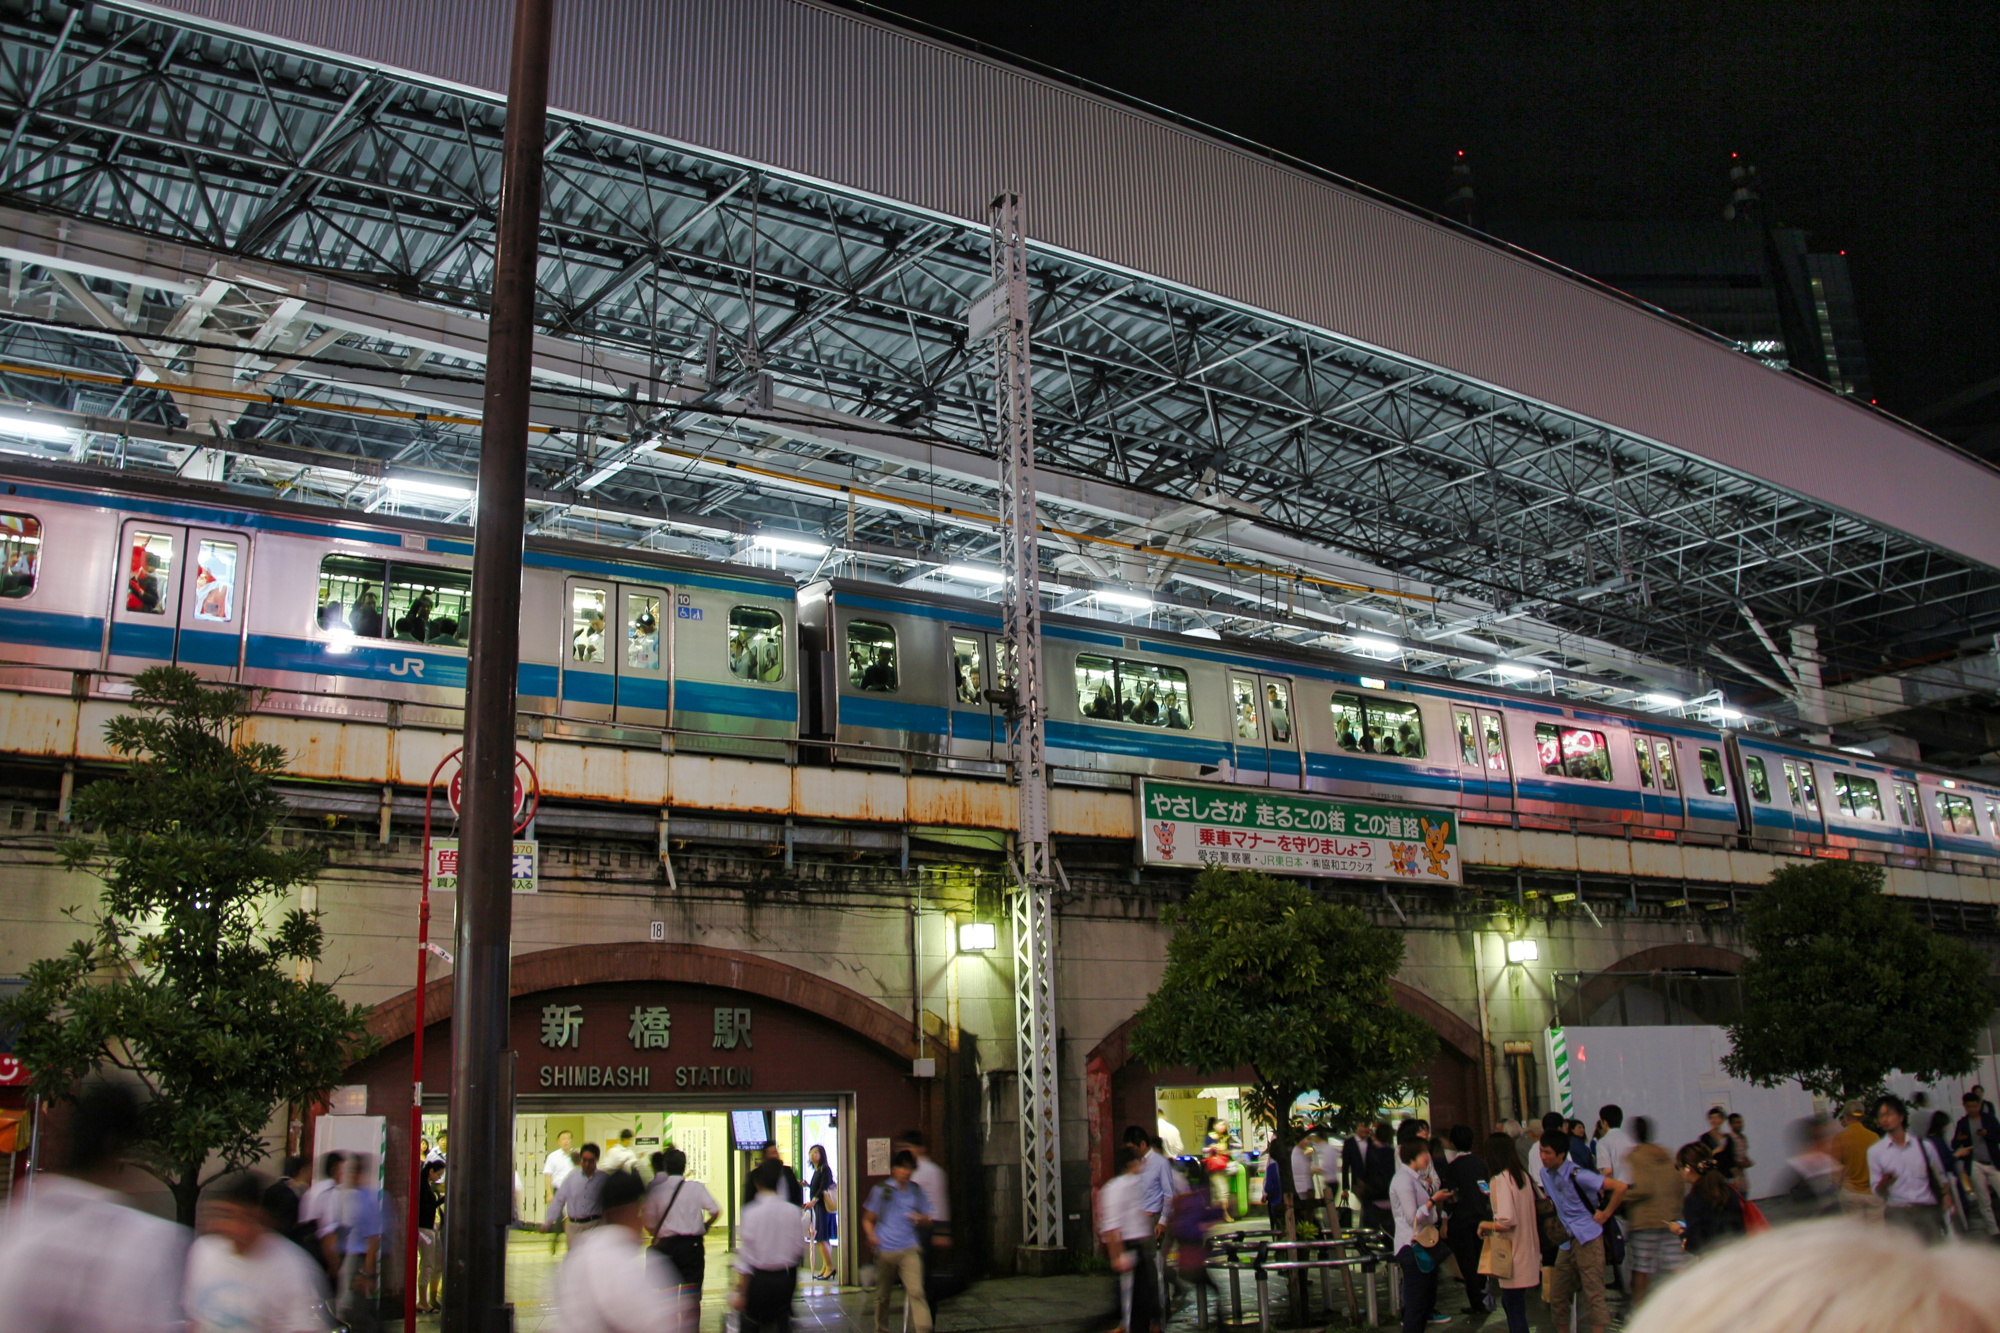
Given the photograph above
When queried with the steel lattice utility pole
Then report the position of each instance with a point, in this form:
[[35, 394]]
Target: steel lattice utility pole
[[1004, 313]]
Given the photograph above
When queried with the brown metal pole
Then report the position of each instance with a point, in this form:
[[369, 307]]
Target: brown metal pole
[[480, 1179]]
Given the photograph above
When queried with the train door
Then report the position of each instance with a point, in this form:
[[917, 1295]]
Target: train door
[[1266, 730], [1803, 790], [1660, 796], [179, 599], [978, 725], [1482, 759], [616, 658]]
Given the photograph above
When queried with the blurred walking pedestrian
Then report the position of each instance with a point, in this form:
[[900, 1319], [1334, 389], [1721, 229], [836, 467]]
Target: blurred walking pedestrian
[[578, 1202], [1512, 1251], [1653, 1201], [1121, 1225], [1812, 1175], [242, 1276], [770, 1246], [356, 1208], [283, 1199], [316, 1212], [607, 1284], [78, 1256]]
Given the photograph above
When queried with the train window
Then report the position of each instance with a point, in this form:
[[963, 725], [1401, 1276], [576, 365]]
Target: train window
[[429, 604], [871, 657], [1153, 696], [586, 624], [1712, 780], [1378, 726], [1347, 725], [350, 595], [1760, 780], [1245, 695], [1663, 751], [1572, 752], [1140, 692], [1278, 708], [215, 581], [757, 644], [1860, 798], [1398, 729], [965, 668], [1468, 740], [1496, 746], [146, 578], [1955, 813], [642, 632], [1992, 820], [20, 554], [1645, 752]]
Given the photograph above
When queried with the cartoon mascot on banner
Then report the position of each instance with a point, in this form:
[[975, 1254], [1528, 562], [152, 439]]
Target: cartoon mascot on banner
[[1436, 850]]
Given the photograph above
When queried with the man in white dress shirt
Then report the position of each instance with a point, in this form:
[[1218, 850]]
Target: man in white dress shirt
[[607, 1284], [1905, 1171], [561, 1161], [622, 1156], [77, 1255], [770, 1246], [678, 1213], [579, 1201]]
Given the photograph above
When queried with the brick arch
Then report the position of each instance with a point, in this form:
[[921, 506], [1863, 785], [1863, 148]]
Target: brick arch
[[696, 964], [1635, 968], [1113, 1053]]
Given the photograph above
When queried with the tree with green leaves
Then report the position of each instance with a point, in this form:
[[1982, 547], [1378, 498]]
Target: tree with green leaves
[[1262, 973], [191, 978], [1845, 985]]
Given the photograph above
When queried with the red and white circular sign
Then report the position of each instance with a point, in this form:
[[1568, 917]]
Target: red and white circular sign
[[527, 792]]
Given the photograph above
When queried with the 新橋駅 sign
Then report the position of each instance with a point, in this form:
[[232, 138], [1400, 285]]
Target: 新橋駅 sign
[[1292, 833]]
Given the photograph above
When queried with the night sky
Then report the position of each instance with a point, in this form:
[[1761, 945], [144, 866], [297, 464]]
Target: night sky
[[1872, 124]]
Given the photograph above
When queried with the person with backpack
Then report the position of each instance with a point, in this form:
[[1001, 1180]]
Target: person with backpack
[[1580, 1259], [1907, 1173], [1713, 1211]]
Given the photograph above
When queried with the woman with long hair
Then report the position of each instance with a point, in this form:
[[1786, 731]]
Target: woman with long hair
[[430, 1239], [1713, 1210], [825, 1210], [1513, 1201]]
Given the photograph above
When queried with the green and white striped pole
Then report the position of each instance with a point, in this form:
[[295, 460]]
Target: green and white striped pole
[[1559, 1069]]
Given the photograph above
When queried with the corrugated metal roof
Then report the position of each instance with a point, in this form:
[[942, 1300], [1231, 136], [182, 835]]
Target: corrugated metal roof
[[839, 98]]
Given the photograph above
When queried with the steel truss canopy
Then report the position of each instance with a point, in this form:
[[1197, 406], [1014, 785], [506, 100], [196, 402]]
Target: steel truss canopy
[[1266, 402]]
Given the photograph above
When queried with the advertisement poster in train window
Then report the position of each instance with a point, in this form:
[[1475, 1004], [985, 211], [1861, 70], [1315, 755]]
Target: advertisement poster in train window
[[1287, 833]]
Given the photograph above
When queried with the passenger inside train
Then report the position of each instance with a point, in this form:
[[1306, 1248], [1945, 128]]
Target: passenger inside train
[[20, 554]]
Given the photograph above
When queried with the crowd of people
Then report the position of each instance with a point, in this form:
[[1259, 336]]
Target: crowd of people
[[304, 1255], [1559, 1208]]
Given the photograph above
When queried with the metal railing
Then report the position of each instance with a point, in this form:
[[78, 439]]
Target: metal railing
[[1344, 1254]]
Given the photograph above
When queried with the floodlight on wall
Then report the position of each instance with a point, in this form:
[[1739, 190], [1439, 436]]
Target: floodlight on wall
[[978, 937], [1523, 951]]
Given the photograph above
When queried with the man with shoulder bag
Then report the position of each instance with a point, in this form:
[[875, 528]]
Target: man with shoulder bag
[[1580, 1259], [677, 1214]]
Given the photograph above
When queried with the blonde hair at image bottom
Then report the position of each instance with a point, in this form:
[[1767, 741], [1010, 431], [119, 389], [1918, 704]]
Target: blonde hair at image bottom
[[1831, 1277]]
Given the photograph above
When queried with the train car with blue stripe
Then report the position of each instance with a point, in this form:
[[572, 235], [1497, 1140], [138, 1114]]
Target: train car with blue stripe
[[349, 614]]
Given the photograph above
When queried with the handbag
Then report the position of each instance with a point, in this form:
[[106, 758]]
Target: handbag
[[1496, 1255], [1430, 1247], [829, 1199]]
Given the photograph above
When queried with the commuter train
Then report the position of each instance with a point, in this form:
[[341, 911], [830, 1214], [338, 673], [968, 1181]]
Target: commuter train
[[351, 615]]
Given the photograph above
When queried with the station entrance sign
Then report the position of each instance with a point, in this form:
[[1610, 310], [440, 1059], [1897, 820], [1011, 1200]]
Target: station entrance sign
[[1293, 833]]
